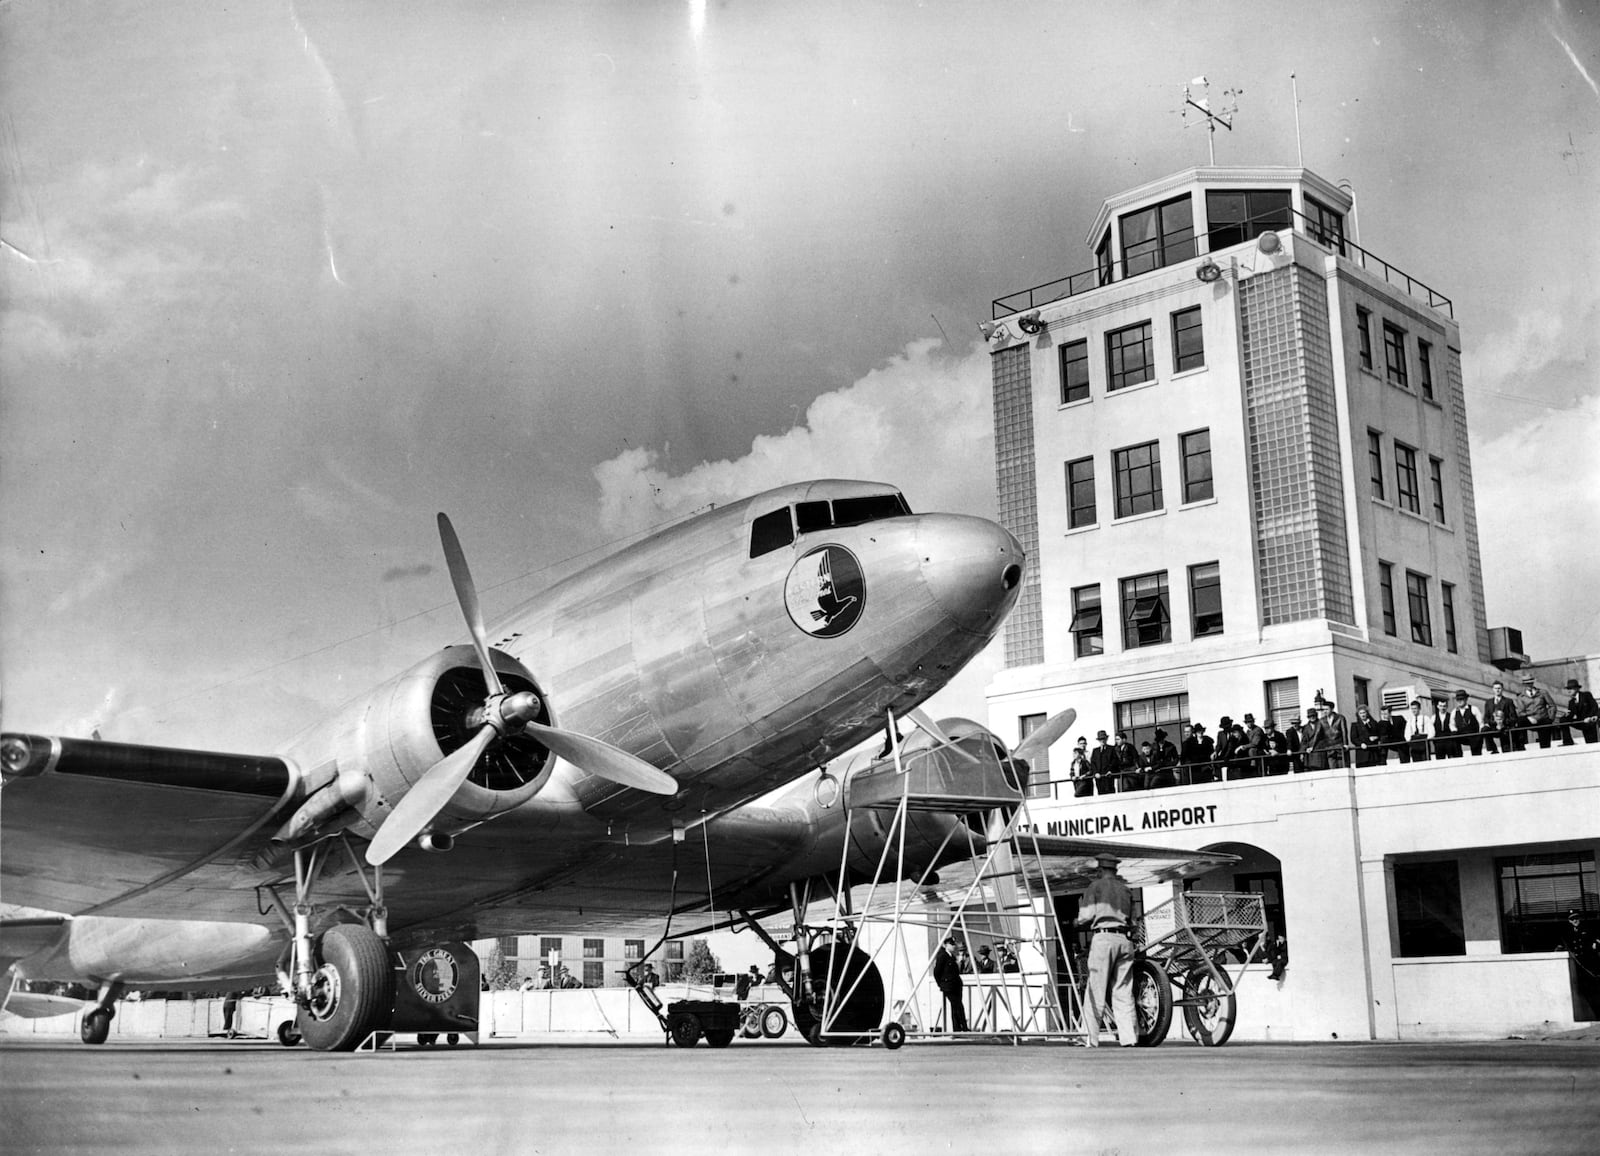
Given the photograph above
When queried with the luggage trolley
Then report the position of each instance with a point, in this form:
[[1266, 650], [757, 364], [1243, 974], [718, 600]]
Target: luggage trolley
[[1204, 941], [953, 787]]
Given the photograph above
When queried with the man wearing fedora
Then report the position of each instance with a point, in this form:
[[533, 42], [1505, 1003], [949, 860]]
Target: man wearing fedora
[[1465, 721], [1103, 764], [1581, 711], [947, 976], [1536, 709], [1107, 910]]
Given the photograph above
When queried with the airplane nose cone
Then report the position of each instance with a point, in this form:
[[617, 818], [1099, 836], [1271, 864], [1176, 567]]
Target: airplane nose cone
[[973, 569]]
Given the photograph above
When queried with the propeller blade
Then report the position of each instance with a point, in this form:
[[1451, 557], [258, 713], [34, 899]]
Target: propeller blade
[[1044, 738], [937, 733], [603, 760], [467, 595], [425, 800]]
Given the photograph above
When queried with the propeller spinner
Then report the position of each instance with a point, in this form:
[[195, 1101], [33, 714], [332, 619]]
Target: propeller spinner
[[500, 714]]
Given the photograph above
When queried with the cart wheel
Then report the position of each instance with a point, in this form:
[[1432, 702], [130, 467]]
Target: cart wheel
[[1152, 1002], [893, 1035], [750, 1022], [720, 1038], [1209, 1009], [288, 1034], [774, 1022], [453, 1038], [427, 1039], [685, 1030]]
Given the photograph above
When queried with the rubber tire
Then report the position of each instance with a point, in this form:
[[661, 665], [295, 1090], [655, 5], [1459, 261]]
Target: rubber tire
[[774, 1022], [685, 1031], [1152, 987], [451, 1039], [96, 1027], [720, 1038], [427, 1039], [365, 1000], [750, 1022], [894, 1034], [288, 1034], [861, 1013], [1208, 1031]]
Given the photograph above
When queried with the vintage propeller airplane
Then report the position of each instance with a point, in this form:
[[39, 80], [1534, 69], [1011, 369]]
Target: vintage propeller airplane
[[678, 682]]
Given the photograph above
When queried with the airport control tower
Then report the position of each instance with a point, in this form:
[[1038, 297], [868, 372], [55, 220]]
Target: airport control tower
[[1235, 448]]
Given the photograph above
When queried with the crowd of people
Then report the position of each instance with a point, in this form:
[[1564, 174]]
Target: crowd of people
[[1426, 729]]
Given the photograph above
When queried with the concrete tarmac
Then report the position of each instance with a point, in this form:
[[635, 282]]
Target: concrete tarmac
[[559, 1095]]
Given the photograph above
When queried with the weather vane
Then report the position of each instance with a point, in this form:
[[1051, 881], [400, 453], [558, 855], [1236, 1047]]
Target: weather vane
[[1197, 97]]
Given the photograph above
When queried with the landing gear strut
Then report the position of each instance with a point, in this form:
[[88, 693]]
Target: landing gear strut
[[342, 980]]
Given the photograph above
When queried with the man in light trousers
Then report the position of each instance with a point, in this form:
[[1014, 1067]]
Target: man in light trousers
[[1107, 908]]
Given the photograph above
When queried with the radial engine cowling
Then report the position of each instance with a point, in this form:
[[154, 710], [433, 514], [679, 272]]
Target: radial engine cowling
[[374, 749]]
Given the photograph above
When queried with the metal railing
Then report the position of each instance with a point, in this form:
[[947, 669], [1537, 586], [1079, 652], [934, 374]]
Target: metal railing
[[1199, 245], [1469, 744]]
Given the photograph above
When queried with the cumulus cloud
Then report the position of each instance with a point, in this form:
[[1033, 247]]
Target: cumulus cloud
[[920, 422]]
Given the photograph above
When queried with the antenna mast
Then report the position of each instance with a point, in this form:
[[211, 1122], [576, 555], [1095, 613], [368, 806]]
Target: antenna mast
[[1197, 111]]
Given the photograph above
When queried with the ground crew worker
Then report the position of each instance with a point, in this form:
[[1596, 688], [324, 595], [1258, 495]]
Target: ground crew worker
[[1107, 909], [947, 975]]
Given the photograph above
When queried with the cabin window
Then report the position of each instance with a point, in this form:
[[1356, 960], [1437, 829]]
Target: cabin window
[[810, 517], [873, 508], [771, 531]]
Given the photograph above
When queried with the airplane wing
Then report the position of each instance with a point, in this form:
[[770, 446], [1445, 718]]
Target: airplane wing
[[107, 822]]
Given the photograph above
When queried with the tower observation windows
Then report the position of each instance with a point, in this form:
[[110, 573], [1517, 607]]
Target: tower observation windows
[[1158, 236], [1326, 225], [1239, 215]]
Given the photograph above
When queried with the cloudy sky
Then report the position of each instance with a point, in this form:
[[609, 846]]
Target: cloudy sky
[[282, 280]]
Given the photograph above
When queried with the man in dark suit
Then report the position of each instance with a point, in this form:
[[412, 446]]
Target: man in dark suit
[[1103, 765], [1464, 721], [947, 975], [1368, 735], [1497, 737], [1583, 711], [1163, 762], [1130, 769], [1196, 755]]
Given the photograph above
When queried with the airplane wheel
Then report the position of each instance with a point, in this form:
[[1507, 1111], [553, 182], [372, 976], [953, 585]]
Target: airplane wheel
[[1152, 1002], [847, 969], [894, 1034], [288, 1034], [774, 1022], [750, 1023], [1210, 1021], [686, 1031], [720, 1038], [452, 1039], [352, 991], [96, 1026], [427, 1039]]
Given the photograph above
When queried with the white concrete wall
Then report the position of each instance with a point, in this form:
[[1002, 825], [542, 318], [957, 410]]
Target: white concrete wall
[[1483, 997]]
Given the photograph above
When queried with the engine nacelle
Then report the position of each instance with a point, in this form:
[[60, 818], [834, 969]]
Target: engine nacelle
[[375, 748]]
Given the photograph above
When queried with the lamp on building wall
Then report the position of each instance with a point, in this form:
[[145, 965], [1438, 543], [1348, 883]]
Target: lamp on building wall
[[1208, 271], [1268, 242], [1029, 322], [986, 328]]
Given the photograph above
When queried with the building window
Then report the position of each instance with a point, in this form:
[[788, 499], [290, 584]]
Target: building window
[[672, 967], [1138, 479], [1394, 354], [1239, 215], [1405, 478], [632, 949], [1364, 337], [1436, 478], [1537, 891], [1088, 636], [1080, 493], [1196, 451], [1425, 367], [1075, 371], [1205, 599], [1039, 770], [594, 949], [1417, 607], [1268, 885], [1386, 589], [1363, 691], [1102, 258], [1188, 343], [1375, 462], [594, 974], [1282, 696], [1128, 357], [1449, 593], [1427, 900], [1158, 236], [1326, 225], [1139, 718], [1146, 617]]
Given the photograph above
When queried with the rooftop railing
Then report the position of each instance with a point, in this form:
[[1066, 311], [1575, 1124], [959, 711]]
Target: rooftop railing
[[1175, 251]]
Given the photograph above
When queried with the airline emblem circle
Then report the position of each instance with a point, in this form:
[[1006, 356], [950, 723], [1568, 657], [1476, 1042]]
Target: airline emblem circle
[[825, 591], [435, 975]]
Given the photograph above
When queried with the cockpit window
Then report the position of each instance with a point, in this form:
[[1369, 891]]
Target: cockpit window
[[813, 516], [771, 531], [875, 508]]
